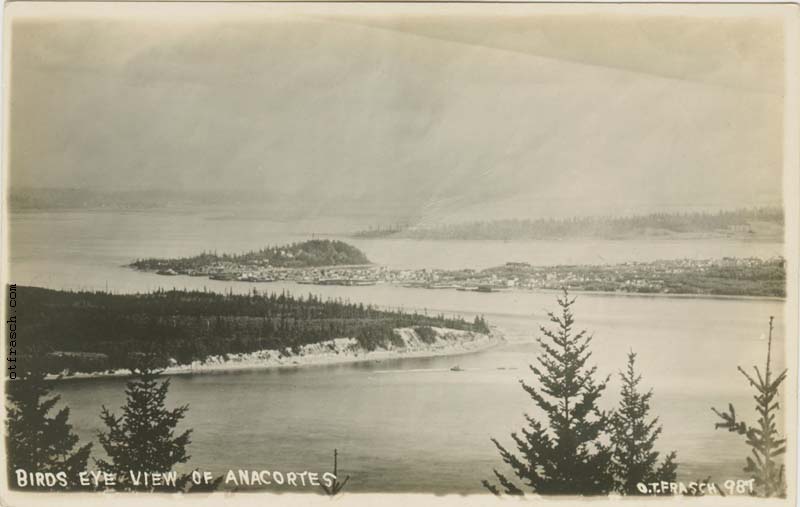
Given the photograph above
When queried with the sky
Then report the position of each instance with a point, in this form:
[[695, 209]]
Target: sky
[[443, 114]]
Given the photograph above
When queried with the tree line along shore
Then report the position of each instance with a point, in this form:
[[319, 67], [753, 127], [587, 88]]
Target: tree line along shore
[[755, 223], [101, 332]]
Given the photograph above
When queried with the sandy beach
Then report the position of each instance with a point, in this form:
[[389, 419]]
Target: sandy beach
[[448, 342]]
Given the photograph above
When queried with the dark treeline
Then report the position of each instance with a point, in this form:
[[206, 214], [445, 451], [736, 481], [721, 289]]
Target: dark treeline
[[81, 198], [380, 231], [740, 220], [315, 252], [97, 331]]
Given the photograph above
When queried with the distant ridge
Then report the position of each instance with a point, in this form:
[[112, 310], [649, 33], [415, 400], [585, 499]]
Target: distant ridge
[[755, 223], [311, 253]]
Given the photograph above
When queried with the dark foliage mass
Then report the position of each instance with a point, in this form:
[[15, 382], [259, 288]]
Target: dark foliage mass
[[38, 440], [576, 448], [740, 220], [767, 446], [144, 437], [143, 440], [564, 454], [97, 331], [633, 436], [316, 252]]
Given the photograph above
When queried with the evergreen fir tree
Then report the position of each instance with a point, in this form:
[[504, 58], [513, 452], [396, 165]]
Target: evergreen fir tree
[[566, 456], [36, 442], [632, 436], [764, 440], [143, 438]]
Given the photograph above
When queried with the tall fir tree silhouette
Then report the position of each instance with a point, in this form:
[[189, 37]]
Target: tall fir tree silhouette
[[35, 441], [144, 437], [566, 456], [765, 442], [633, 437]]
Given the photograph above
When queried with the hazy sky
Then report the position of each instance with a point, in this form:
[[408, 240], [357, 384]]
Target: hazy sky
[[462, 115]]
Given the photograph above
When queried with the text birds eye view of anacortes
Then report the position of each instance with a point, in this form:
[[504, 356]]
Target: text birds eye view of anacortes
[[401, 248]]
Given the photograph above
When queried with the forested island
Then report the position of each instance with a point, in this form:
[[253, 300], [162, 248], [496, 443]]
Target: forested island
[[755, 223], [306, 254], [98, 331]]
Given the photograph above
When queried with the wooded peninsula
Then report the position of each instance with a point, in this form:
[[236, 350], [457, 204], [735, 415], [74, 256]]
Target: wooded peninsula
[[98, 331]]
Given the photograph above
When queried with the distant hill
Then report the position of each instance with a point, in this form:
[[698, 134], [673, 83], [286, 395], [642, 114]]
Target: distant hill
[[78, 198], [745, 223], [312, 253], [245, 203]]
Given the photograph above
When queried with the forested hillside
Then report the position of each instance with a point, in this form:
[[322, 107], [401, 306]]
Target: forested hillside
[[96, 331], [315, 252]]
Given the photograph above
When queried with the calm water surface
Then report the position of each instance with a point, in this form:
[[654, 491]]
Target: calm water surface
[[413, 424]]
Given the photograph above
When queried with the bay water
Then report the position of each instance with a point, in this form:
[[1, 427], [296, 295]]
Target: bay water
[[414, 424]]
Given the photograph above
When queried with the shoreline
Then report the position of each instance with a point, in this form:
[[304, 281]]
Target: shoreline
[[542, 290], [663, 295], [762, 238], [339, 351]]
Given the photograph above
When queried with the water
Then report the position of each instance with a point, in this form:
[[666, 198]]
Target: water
[[85, 250], [412, 424]]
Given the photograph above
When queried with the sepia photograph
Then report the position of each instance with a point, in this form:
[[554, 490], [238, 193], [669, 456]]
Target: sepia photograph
[[284, 251]]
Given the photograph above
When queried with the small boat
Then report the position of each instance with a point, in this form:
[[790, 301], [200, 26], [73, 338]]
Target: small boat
[[331, 281], [223, 276], [456, 368]]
